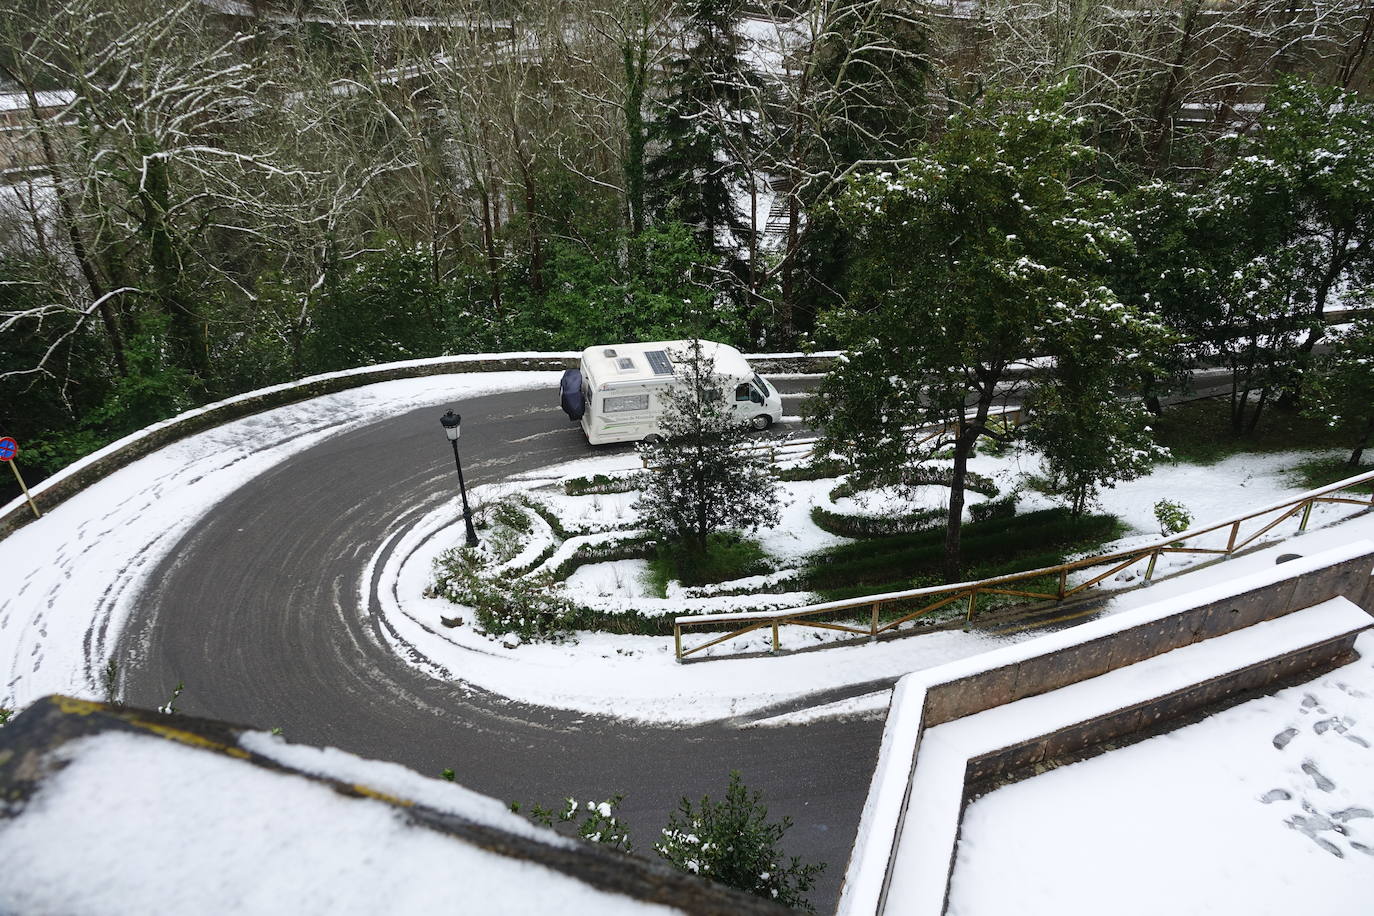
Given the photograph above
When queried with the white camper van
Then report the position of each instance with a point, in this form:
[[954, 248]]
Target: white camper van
[[620, 387]]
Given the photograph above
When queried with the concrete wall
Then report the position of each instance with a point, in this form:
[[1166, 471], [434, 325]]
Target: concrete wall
[[963, 688], [1150, 714]]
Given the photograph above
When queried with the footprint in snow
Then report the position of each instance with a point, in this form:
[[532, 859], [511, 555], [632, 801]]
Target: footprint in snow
[[1329, 847], [1358, 740], [1349, 814], [1282, 738], [1274, 795], [1308, 701], [1351, 691], [1325, 724], [1367, 850], [1321, 781]]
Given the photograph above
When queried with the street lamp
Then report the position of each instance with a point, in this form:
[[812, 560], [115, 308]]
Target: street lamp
[[452, 426]]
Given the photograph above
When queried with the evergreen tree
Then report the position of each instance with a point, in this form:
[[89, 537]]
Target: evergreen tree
[[701, 481], [703, 132]]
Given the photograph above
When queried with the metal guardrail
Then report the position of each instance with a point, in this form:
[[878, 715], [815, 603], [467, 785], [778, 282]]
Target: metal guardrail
[[935, 597]]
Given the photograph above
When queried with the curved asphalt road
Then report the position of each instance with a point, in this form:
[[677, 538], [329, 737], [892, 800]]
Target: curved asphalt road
[[257, 613]]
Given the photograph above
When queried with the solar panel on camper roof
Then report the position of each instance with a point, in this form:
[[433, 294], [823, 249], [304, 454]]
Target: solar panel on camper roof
[[659, 362]]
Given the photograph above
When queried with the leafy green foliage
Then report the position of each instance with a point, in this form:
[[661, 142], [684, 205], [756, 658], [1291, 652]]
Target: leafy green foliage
[[1017, 255], [733, 843], [1003, 507], [1342, 387], [1173, 517], [383, 307], [170, 707], [875, 526], [727, 556], [597, 824], [5, 714], [704, 131], [590, 297], [600, 484], [528, 606]]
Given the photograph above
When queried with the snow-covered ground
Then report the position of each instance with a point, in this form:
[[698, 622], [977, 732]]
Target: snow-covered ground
[[1266, 808], [77, 570], [135, 824], [637, 677]]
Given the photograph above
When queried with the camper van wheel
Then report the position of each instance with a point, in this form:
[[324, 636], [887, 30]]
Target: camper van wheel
[[653, 439], [762, 421]]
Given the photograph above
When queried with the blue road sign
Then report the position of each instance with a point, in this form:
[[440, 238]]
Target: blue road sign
[[8, 448]]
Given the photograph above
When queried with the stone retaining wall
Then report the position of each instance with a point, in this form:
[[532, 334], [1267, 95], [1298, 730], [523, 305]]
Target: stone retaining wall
[[1152, 713], [998, 686]]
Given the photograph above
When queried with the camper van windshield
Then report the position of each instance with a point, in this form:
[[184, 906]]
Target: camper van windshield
[[763, 386]]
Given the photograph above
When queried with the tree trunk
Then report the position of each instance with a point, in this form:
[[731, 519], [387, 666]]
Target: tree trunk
[[1164, 109], [636, 134], [74, 237], [963, 444], [1259, 409], [1360, 446], [1354, 57], [187, 325]]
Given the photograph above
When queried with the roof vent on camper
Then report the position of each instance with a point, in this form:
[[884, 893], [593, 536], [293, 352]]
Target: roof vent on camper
[[608, 353], [625, 364]]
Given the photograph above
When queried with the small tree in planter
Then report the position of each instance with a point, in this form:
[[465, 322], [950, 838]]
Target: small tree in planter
[[700, 480], [732, 843]]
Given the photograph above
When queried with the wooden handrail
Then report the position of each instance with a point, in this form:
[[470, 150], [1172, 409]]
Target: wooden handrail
[[939, 596]]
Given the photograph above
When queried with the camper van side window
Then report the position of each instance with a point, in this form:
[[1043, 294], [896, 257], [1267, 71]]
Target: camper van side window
[[625, 403], [742, 392]]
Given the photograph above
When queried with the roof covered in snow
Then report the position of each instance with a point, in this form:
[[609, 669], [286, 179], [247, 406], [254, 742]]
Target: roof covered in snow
[[117, 811]]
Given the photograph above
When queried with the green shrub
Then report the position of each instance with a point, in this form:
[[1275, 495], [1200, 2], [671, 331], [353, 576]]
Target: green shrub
[[529, 607], [922, 476], [732, 843], [1319, 472], [506, 512], [869, 526], [815, 470], [600, 484], [728, 556], [598, 825], [1173, 518], [995, 543], [5, 713], [1002, 507]]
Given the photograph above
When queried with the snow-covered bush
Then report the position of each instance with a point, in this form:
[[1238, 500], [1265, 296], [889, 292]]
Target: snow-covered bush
[[529, 607], [871, 526], [1172, 517], [598, 824], [600, 484], [732, 843]]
